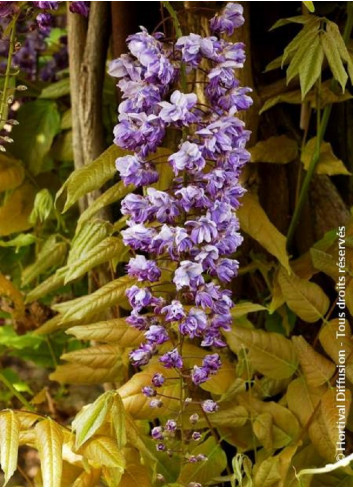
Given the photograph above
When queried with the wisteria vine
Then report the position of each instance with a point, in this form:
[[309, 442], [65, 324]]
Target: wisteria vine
[[189, 230]]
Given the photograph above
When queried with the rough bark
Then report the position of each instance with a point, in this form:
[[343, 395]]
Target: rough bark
[[87, 54]]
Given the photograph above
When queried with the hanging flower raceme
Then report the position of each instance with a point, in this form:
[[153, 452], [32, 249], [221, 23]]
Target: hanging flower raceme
[[185, 234]]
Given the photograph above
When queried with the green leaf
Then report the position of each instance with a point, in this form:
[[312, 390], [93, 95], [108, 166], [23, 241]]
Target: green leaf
[[299, 19], [10, 431], [324, 262], [43, 206], [327, 96], [113, 194], [11, 173], [304, 298], [328, 163], [302, 52], [57, 89], [10, 339], [254, 221], [334, 33], [62, 149], [52, 254], [66, 120], [88, 306], [19, 241], [90, 177], [49, 440], [39, 124], [91, 418], [277, 149], [104, 251], [310, 69], [269, 353], [309, 6], [334, 59]]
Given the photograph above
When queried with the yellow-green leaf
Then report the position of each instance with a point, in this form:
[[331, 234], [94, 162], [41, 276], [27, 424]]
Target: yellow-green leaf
[[15, 212], [276, 149], [52, 254], [88, 236], [269, 353], [104, 251], [204, 472], [113, 194], [118, 420], [328, 163], [91, 418], [7, 289], [304, 298], [103, 450], [110, 331], [254, 221], [335, 337], [87, 306], [243, 308], [10, 430], [49, 441], [309, 6], [11, 173], [316, 368], [93, 365]]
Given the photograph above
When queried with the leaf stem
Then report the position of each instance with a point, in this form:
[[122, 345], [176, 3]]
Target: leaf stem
[[16, 393], [7, 73], [321, 129]]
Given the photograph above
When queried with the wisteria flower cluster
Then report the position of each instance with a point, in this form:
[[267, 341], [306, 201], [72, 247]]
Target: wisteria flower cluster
[[190, 228]]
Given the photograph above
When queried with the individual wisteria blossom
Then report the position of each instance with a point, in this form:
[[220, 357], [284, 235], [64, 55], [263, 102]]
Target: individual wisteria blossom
[[189, 230]]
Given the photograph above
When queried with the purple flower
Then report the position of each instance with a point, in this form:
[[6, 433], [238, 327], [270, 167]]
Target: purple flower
[[172, 359], [212, 363], [157, 433], [203, 230], [199, 375], [81, 8], [164, 206], [7, 8], [209, 406], [189, 274], [194, 324], [192, 197], [137, 207], [207, 256], [143, 269], [156, 334], [139, 298], [139, 132], [178, 109], [158, 380], [149, 391], [228, 20], [196, 436], [226, 269], [189, 157], [171, 425], [182, 240], [137, 321], [47, 5], [134, 170], [138, 237], [142, 355], [174, 311], [44, 21]]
